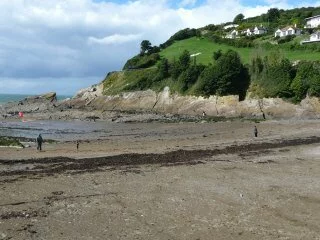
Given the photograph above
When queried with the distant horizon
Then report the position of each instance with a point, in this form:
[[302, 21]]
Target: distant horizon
[[9, 97], [24, 94]]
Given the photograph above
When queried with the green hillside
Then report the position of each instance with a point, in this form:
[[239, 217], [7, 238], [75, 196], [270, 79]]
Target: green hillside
[[201, 45], [206, 47], [214, 60]]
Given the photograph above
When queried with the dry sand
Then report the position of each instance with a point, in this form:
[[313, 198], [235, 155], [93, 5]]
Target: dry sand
[[168, 181]]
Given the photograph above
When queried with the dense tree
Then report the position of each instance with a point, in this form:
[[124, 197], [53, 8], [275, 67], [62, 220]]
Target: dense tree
[[227, 76], [175, 70], [184, 60], [145, 46], [208, 82], [163, 69], [301, 82], [239, 18], [190, 76], [306, 80], [217, 54], [233, 76], [272, 76], [273, 14], [180, 35], [142, 61]]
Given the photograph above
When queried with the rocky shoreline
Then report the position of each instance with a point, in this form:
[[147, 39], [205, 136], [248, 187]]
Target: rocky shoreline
[[143, 106]]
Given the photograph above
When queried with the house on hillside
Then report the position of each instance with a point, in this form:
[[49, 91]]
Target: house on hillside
[[314, 37], [231, 26], [313, 22], [287, 31], [233, 34], [259, 30], [248, 32], [254, 31]]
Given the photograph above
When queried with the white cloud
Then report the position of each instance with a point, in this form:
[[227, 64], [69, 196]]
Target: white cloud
[[115, 39], [83, 39]]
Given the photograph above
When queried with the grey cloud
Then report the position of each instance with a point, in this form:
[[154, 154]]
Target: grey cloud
[[51, 39]]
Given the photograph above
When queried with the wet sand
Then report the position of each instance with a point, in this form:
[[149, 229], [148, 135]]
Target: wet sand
[[168, 181]]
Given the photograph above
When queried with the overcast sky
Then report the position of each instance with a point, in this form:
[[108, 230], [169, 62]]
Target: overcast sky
[[66, 45]]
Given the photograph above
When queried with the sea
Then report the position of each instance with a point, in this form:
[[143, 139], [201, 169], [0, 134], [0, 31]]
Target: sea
[[5, 98], [71, 130]]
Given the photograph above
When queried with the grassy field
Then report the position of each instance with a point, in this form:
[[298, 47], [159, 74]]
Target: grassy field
[[206, 48]]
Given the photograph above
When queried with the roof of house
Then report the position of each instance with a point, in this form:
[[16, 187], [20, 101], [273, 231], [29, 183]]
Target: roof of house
[[261, 28], [231, 26], [286, 28], [317, 16]]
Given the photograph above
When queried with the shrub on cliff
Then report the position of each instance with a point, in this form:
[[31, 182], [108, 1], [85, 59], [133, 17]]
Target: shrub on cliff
[[306, 80], [142, 61]]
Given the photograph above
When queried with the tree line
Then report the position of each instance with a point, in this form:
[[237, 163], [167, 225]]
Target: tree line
[[276, 76], [268, 76], [226, 75]]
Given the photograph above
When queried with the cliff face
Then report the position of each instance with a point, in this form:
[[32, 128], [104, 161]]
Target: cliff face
[[91, 103], [228, 106]]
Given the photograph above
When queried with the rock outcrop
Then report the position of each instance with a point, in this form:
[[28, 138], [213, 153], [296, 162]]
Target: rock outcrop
[[90, 103], [228, 106]]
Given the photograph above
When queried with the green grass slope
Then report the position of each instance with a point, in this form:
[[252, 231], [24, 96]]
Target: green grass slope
[[206, 48], [127, 80]]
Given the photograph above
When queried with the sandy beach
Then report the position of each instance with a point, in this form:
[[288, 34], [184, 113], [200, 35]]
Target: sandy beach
[[197, 180]]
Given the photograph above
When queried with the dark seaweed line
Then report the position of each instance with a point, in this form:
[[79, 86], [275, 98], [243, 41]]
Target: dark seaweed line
[[187, 157], [130, 159]]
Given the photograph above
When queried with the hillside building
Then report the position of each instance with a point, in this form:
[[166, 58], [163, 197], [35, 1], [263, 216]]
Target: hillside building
[[230, 26], [259, 30], [233, 34], [313, 22], [314, 37], [254, 31], [287, 31], [248, 32]]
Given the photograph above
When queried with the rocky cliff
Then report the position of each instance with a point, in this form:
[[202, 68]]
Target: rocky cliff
[[90, 103], [228, 106]]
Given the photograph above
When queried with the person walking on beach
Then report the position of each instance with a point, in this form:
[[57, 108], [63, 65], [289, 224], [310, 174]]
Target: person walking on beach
[[77, 144], [255, 131], [39, 142]]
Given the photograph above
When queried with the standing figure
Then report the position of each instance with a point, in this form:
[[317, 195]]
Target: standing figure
[[78, 144], [204, 114], [255, 131], [39, 142]]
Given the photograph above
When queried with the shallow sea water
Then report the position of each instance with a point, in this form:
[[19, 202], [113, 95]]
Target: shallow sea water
[[86, 130], [56, 130]]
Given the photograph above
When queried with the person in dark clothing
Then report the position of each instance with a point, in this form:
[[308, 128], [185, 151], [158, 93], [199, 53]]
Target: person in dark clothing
[[78, 145], [255, 131], [39, 142]]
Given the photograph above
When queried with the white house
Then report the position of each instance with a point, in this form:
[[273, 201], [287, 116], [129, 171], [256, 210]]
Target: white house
[[231, 26], [314, 37], [287, 31], [248, 32], [313, 22], [254, 31], [233, 34], [259, 30]]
